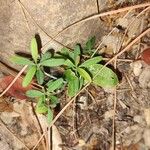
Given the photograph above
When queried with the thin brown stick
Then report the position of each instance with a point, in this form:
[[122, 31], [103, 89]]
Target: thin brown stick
[[24, 14], [113, 122], [129, 82], [68, 104], [18, 75], [1, 122], [120, 59]]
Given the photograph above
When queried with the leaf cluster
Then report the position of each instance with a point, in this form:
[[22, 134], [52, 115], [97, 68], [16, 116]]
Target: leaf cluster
[[77, 72]]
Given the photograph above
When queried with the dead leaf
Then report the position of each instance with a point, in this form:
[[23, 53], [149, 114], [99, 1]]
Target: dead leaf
[[16, 90], [145, 56]]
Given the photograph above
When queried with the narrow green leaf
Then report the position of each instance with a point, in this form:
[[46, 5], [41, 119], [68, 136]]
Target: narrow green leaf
[[54, 99], [69, 63], [40, 76], [21, 60], [84, 74], [106, 78], [77, 53], [49, 116], [73, 82], [65, 51], [53, 62], [81, 82], [90, 43], [45, 56], [53, 85], [91, 61], [73, 87], [69, 74], [34, 93], [34, 49], [28, 78], [41, 107]]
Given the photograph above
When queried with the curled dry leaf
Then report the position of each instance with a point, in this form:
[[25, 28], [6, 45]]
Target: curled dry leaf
[[145, 56], [16, 89]]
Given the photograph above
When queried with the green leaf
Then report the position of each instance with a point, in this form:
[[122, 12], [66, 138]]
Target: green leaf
[[34, 93], [77, 53], [21, 60], [41, 107], [106, 78], [69, 63], [45, 56], [90, 43], [91, 61], [34, 49], [65, 51], [53, 62], [73, 87], [28, 78], [81, 82], [54, 101], [69, 74], [40, 76], [49, 116], [53, 85], [84, 74], [73, 82]]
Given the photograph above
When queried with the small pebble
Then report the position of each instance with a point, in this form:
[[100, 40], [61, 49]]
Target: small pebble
[[137, 67]]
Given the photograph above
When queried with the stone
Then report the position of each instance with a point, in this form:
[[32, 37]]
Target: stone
[[17, 28]]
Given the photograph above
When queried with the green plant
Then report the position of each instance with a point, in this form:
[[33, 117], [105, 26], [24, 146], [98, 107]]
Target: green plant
[[89, 46], [47, 99], [77, 72], [80, 71], [37, 63]]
